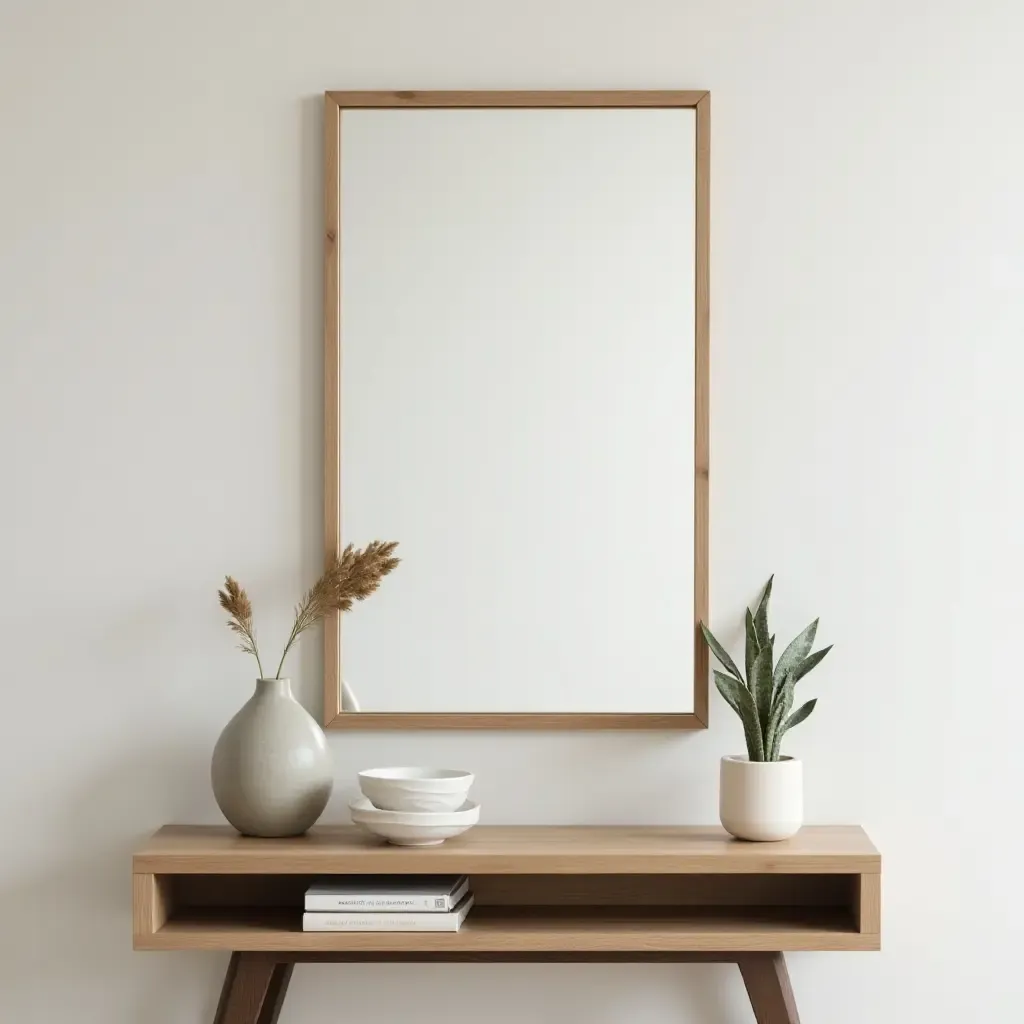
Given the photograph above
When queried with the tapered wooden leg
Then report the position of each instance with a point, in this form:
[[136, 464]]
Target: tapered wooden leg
[[254, 990], [275, 994], [767, 981]]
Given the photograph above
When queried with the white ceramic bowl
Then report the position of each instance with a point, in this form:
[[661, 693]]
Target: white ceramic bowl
[[406, 828], [416, 789]]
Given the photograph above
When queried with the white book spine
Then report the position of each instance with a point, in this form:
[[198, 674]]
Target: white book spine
[[378, 922], [421, 903], [378, 904]]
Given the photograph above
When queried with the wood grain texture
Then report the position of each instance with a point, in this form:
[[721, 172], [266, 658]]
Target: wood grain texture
[[869, 903], [142, 905], [226, 987], [510, 849], [702, 408], [559, 957], [518, 99], [151, 903], [332, 394], [771, 994], [514, 720], [551, 892], [276, 991], [253, 990], [530, 929], [334, 104]]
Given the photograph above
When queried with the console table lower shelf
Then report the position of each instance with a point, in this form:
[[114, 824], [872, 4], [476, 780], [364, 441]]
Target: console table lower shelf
[[543, 894]]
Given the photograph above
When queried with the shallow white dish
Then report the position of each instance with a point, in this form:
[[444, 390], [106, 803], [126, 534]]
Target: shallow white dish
[[405, 828], [416, 789]]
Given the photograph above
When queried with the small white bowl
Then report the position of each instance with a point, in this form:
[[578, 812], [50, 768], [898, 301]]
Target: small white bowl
[[404, 828], [417, 790]]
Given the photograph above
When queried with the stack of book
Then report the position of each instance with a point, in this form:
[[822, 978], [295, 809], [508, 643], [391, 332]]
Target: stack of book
[[387, 903]]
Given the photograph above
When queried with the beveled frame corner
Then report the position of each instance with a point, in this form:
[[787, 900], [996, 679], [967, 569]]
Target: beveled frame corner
[[335, 102]]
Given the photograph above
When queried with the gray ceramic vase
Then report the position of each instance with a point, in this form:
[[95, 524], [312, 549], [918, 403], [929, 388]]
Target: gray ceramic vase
[[271, 766]]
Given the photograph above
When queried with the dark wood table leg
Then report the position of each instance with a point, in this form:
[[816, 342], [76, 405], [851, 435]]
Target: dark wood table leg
[[767, 981], [254, 990]]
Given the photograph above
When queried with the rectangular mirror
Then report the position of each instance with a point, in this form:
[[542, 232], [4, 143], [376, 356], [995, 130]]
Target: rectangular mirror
[[516, 386]]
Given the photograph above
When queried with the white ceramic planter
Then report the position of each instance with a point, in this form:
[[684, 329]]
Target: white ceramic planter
[[761, 800]]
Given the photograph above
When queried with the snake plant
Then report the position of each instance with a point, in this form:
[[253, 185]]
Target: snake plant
[[763, 697]]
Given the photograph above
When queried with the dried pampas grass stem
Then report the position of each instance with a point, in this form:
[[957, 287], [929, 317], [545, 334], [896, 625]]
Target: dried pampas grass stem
[[235, 601], [351, 577], [354, 576]]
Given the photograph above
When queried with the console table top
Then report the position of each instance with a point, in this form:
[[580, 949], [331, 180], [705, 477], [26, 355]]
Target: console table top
[[511, 849]]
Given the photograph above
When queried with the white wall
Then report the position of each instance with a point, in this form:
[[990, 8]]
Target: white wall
[[161, 424]]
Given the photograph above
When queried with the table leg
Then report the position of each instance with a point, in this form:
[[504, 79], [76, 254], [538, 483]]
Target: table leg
[[254, 990], [767, 981]]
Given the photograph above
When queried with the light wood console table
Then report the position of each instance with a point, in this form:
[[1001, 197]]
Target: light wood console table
[[548, 894]]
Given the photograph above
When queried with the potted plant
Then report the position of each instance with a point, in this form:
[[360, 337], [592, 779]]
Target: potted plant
[[761, 795], [271, 768]]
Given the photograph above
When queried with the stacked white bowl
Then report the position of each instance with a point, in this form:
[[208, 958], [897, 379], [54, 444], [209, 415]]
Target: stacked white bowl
[[415, 806]]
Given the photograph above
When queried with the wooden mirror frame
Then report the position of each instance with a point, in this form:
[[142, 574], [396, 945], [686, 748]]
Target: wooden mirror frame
[[334, 104]]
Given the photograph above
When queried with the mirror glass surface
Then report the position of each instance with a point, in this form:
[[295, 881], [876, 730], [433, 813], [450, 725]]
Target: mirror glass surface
[[517, 407]]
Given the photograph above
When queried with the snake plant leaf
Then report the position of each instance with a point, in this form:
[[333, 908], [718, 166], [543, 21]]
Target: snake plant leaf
[[761, 614], [794, 654], [780, 728], [800, 715], [753, 647], [720, 652], [738, 697], [810, 662], [782, 704], [761, 687], [724, 683]]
